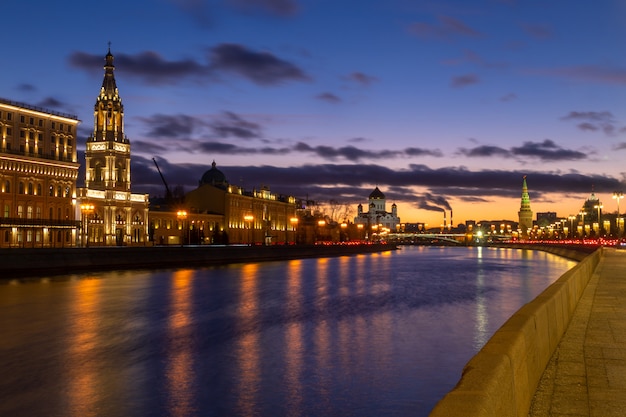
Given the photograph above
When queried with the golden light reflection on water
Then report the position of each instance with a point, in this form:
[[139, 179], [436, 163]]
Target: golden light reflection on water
[[248, 346], [180, 363], [294, 348], [83, 394]]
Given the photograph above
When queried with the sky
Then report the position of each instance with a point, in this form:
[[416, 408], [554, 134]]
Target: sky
[[441, 104]]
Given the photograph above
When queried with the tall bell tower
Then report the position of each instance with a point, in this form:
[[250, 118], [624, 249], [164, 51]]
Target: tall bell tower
[[107, 153], [110, 213], [525, 213]]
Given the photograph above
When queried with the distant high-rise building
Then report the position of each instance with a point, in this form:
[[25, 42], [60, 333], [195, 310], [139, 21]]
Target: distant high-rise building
[[110, 214], [525, 213]]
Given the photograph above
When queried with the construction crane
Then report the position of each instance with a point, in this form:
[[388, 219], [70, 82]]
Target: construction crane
[[168, 193]]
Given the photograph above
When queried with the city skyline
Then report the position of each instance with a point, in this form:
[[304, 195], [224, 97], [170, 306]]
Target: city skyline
[[440, 104]]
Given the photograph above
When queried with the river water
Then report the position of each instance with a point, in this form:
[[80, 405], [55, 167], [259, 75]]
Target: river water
[[369, 335]]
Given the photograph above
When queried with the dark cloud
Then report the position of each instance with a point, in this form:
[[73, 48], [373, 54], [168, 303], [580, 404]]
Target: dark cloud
[[350, 153], [328, 97], [361, 78], [545, 151], [197, 9], [26, 88], [446, 28], [262, 68], [464, 80], [423, 152], [170, 126], [486, 151], [538, 31], [282, 8], [151, 148], [592, 121], [430, 202], [149, 67], [597, 74], [352, 182], [508, 97], [230, 124]]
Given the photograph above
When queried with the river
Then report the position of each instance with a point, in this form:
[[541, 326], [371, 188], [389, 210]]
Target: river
[[367, 335]]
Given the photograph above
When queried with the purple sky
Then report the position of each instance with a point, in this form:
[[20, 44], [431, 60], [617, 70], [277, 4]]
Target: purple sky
[[437, 102]]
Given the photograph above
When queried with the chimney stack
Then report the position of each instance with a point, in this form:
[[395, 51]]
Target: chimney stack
[[451, 224]]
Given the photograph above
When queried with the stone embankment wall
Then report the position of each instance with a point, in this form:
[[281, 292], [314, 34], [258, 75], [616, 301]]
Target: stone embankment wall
[[502, 378], [45, 262]]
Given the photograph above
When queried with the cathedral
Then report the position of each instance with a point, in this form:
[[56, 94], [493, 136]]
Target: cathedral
[[110, 214], [377, 214]]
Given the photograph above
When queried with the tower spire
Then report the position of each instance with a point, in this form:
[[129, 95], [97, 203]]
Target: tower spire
[[525, 213]]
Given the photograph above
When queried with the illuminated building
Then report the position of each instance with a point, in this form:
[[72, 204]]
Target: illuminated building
[[109, 212], [257, 216], [38, 172], [377, 215], [525, 213]]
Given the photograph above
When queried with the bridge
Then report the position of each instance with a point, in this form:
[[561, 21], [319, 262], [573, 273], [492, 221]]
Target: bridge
[[456, 238]]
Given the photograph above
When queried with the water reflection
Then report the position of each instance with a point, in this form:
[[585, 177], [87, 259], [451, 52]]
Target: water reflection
[[368, 335], [83, 392], [248, 345], [180, 362]]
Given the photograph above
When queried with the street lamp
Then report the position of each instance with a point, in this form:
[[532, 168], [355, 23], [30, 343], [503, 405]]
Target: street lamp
[[582, 214], [344, 226], [618, 195], [86, 210], [249, 218], [360, 229], [294, 226], [182, 215], [599, 206], [571, 219]]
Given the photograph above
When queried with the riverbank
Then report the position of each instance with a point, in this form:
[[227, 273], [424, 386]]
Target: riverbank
[[28, 262]]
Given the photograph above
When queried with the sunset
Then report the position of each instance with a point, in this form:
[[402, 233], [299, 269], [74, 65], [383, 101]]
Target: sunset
[[434, 102]]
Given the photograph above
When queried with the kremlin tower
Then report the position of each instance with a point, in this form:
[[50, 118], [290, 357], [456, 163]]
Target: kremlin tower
[[525, 213]]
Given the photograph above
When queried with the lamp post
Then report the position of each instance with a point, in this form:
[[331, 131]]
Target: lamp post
[[182, 215], [294, 227], [86, 210], [249, 218], [618, 195], [359, 227], [571, 230], [344, 226], [582, 214], [599, 206]]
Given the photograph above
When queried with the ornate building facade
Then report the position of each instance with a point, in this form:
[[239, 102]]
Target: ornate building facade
[[525, 213], [110, 214], [38, 172], [377, 215], [252, 217]]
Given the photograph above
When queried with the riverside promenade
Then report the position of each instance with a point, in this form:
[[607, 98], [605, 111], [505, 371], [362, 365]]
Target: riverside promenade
[[586, 375], [562, 354]]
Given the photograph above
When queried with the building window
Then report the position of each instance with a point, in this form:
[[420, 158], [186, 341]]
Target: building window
[[31, 135], [29, 212], [22, 119], [51, 191], [54, 125], [69, 142], [7, 186], [59, 194], [69, 128], [38, 213], [30, 188], [21, 188], [40, 122], [40, 136], [31, 121], [7, 210], [9, 131], [20, 211], [38, 189], [9, 116], [22, 134], [61, 126], [67, 192], [29, 236]]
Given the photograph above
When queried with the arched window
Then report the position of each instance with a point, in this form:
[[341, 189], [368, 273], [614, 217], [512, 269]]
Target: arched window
[[38, 189], [29, 212], [51, 190], [59, 194], [30, 188], [7, 186], [21, 188], [67, 191]]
